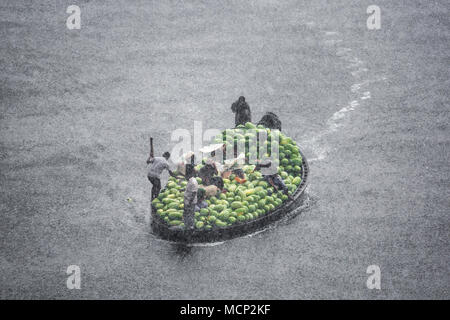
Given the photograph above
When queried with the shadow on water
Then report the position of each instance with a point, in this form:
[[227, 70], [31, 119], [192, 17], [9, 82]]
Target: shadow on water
[[181, 250]]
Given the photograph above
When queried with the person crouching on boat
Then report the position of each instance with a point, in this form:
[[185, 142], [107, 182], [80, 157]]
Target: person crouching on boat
[[208, 171], [234, 166], [273, 179], [156, 167], [190, 200], [239, 176], [216, 187], [277, 183]]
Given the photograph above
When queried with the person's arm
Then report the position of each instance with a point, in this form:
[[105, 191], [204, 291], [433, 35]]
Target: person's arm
[[172, 174], [234, 107], [150, 160], [217, 191], [260, 165], [266, 165], [216, 172], [272, 184]]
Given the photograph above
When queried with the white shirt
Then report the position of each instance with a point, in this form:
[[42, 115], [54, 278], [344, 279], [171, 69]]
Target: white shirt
[[157, 166], [190, 195]]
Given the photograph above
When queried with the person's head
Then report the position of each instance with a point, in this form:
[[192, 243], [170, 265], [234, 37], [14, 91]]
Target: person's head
[[166, 155], [188, 157], [210, 163], [241, 99], [239, 173]]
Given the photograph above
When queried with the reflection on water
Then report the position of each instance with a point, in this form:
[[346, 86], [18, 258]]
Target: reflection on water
[[181, 250]]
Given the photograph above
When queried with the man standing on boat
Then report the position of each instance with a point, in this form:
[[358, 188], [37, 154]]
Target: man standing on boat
[[156, 167], [242, 111], [190, 200]]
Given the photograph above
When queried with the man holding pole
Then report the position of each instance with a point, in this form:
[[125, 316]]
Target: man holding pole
[[156, 167]]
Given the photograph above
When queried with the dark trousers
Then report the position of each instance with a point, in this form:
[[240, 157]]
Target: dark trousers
[[156, 188], [188, 216]]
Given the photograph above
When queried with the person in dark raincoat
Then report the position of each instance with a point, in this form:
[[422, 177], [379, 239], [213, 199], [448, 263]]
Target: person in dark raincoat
[[270, 120], [242, 111]]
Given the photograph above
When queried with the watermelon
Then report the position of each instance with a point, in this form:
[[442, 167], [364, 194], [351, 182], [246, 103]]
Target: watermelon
[[236, 204], [199, 224], [175, 222]]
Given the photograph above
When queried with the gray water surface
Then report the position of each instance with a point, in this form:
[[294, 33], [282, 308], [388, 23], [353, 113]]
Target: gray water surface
[[370, 110]]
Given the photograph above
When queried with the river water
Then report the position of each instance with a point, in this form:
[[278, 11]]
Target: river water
[[369, 108]]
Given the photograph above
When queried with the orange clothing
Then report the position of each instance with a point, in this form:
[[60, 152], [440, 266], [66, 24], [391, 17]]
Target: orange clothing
[[240, 180]]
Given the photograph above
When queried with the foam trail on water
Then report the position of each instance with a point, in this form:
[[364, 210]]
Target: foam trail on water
[[318, 143]]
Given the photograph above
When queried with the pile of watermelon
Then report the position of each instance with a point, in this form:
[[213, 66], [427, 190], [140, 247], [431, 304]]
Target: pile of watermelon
[[242, 202]]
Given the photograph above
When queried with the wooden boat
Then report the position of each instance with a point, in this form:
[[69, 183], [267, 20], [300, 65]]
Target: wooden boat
[[163, 230]]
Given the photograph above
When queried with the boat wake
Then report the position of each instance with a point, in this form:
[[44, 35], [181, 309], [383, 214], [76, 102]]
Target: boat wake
[[359, 93]]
